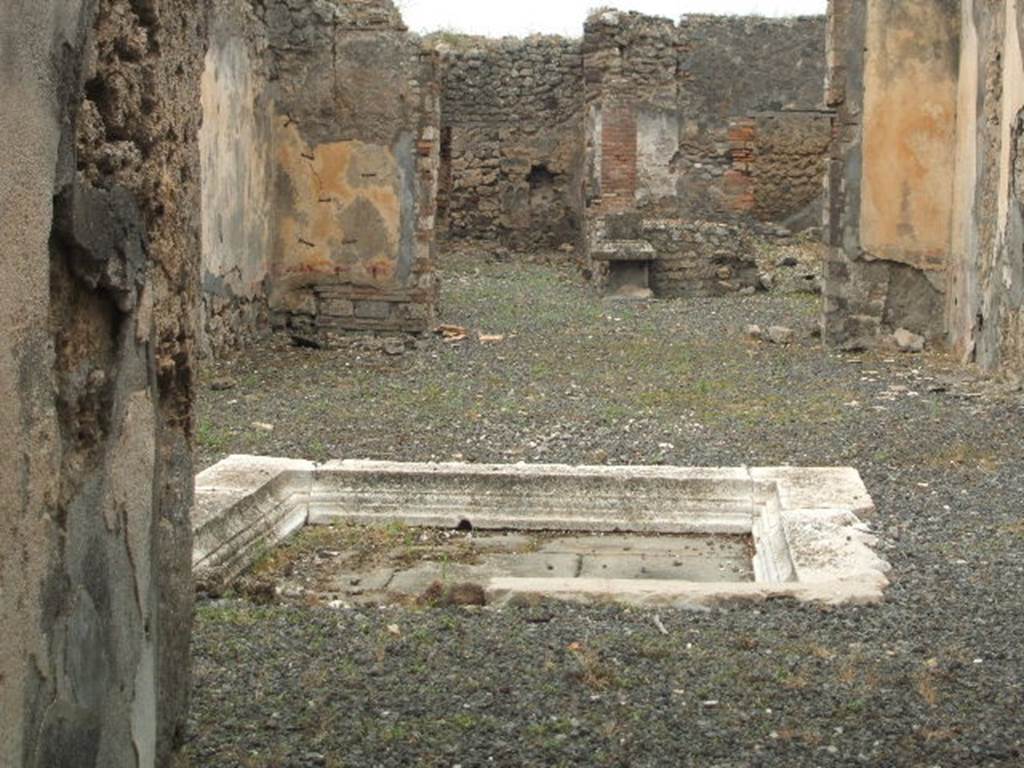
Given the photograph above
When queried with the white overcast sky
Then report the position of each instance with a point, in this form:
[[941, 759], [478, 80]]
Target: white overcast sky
[[495, 18]]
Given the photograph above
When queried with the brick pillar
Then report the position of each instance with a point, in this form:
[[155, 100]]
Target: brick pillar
[[619, 150], [739, 179]]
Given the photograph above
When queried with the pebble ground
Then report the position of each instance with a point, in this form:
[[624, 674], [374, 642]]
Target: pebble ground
[[934, 677]]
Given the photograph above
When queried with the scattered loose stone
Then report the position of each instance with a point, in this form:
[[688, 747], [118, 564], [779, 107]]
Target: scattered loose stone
[[780, 334], [394, 347], [909, 342]]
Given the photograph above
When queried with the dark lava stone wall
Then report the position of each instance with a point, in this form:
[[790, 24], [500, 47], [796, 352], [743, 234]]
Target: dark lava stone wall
[[711, 128], [728, 111], [769, 73]]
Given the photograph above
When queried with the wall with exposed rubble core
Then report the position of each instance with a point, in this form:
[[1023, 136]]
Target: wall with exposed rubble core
[[925, 229], [512, 141], [714, 128], [357, 139], [99, 189]]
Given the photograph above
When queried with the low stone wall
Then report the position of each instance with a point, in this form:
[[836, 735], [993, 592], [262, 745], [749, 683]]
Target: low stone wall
[[683, 258], [512, 145]]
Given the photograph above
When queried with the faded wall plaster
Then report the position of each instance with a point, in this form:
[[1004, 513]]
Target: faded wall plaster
[[356, 148], [236, 145], [30, 105], [910, 82], [960, 302], [345, 213], [890, 181], [1002, 345]]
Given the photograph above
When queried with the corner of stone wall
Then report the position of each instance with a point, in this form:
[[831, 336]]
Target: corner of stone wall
[[98, 523], [357, 169]]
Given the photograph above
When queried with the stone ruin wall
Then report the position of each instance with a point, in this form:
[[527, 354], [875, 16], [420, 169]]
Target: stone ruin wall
[[320, 212], [512, 142], [99, 185], [237, 152], [697, 136], [321, 147], [357, 141], [985, 301], [754, 134], [925, 205]]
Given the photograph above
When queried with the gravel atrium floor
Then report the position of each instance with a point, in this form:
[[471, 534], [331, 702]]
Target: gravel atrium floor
[[551, 372]]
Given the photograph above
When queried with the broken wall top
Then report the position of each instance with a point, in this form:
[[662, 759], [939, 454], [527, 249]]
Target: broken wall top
[[716, 66]]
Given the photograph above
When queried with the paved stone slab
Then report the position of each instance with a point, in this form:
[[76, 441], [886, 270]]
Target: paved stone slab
[[502, 543], [416, 580], [358, 583], [709, 569], [670, 545], [549, 565]]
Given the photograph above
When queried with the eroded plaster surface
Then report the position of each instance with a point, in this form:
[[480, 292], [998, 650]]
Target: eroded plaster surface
[[910, 80], [236, 144], [345, 213]]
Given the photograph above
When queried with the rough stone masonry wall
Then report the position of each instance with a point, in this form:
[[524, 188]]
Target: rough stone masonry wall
[[711, 129], [357, 138], [893, 71], [99, 188], [512, 148], [985, 305], [236, 144]]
